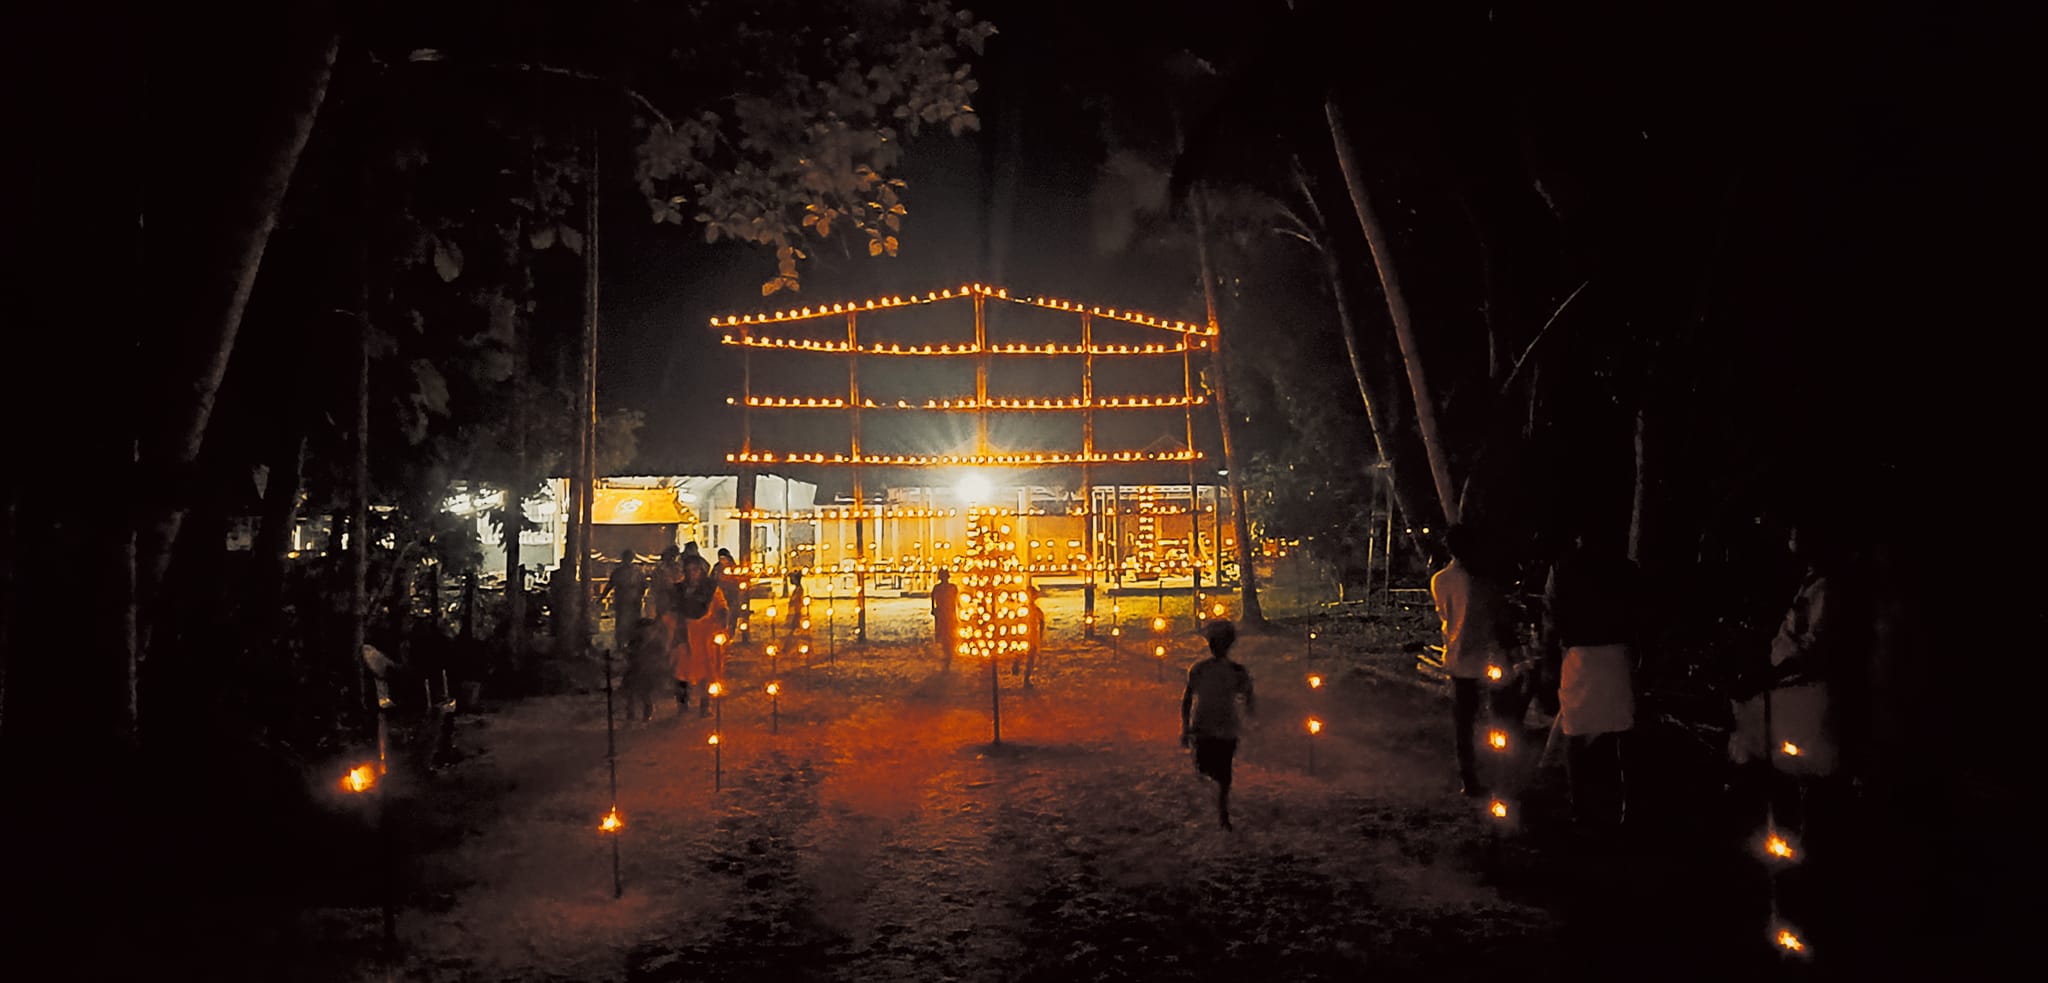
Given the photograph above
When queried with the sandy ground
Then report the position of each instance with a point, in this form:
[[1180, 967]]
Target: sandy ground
[[876, 832]]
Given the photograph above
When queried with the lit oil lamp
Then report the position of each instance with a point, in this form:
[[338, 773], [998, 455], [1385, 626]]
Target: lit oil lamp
[[1218, 609], [1315, 726], [718, 639], [1790, 941], [1158, 624], [1315, 681], [1497, 739], [613, 822], [1777, 847], [1494, 673], [712, 740], [715, 689], [1498, 808], [1790, 749], [361, 778]]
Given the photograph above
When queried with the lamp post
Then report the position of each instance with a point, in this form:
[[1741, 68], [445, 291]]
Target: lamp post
[[1315, 727], [774, 708]]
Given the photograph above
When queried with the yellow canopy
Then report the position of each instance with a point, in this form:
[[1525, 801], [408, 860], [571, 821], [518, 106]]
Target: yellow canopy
[[639, 507]]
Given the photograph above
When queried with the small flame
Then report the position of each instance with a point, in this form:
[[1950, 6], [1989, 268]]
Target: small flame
[[1159, 652], [1311, 636], [1493, 673], [771, 612], [774, 688], [772, 650], [1779, 847], [1497, 738], [805, 624], [804, 649], [1790, 942], [1315, 726], [1791, 750], [712, 740], [612, 823], [718, 639], [1158, 624], [1315, 682], [1218, 609], [715, 689], [1499, 809], [361, 778]]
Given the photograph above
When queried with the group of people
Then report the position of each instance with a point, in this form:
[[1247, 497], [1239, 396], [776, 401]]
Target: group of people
[[1591, 626], [672, 622], [1592, 629]]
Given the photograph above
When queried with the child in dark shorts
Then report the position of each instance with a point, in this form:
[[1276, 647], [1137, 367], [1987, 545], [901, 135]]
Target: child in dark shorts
[[1208, 711]]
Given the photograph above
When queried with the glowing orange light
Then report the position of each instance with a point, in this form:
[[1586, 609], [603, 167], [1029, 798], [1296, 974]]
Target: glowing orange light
[[1790, 749], [1493, 673], [1498, 739], [1315, 682], [1315, 726], [1789, 941], [1158, 624], [771, 612], [715, 689], [1498, 808], [774, 689], [804, 624], [613, 822], [1219, 609], [712, 740], [1159, 652], [361, 778], [718, 639], [1779, 847]]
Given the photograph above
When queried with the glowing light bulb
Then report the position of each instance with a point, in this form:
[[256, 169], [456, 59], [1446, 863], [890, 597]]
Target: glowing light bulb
[[1498, 808], [715, 689], [712, 740], [774, 689]]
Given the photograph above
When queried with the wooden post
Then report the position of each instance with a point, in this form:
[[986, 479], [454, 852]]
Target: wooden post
[[1087, 473], [860, 520]]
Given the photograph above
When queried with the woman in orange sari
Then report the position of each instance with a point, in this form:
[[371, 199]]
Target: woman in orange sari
[[699, 618]]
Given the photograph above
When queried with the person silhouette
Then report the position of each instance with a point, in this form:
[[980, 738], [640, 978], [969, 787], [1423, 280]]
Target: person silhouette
[[1209, 720]]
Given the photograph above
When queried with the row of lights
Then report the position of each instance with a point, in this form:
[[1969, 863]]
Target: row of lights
[[966, 290], [932, 460], [804, 515], [971, 403], [967, 348]]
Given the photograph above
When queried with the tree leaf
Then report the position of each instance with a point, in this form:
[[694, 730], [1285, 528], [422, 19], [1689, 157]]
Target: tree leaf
[[874, 247], [572, 240], [542, 237]]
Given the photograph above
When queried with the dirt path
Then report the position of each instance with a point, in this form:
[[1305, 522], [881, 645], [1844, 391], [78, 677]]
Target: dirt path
[[879, 835]]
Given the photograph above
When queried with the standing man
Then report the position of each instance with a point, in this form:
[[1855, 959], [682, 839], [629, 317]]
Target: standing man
[[668, 571], [946, 616], [627, 587], [1208, 711], [724, 575], [1477, 623], [1592, 610]]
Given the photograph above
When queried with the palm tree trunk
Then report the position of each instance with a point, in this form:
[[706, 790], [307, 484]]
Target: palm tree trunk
[[1397, 309], [1382, 440], [217, 300], [1250, 613]]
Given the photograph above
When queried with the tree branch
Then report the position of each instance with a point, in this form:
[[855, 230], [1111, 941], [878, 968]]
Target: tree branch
[[1516, 372]]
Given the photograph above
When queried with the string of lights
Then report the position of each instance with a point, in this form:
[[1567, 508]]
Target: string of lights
[[970, 403], [971, 460], [841, 347], [966, 290]]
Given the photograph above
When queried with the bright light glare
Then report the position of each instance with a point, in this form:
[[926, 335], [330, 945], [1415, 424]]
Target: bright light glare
[[974, 488]]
